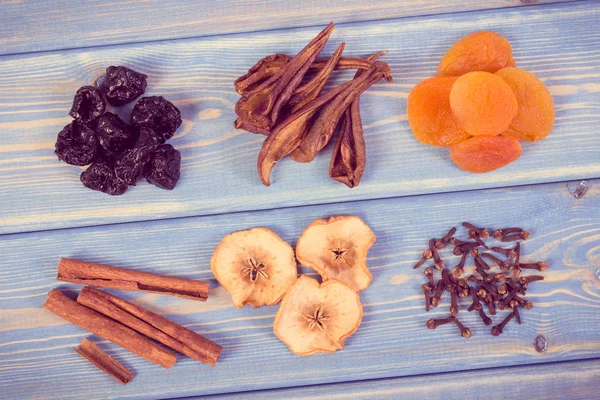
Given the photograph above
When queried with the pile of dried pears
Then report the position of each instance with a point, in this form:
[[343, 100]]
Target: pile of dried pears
[[258, 268], [480, 105]]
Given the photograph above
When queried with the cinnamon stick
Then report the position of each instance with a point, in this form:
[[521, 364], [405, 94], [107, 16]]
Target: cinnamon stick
[[86, 273], [103, 361], [152, 325], [85, 318]]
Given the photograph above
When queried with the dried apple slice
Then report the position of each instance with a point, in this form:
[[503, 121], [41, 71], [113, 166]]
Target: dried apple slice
[[337, 249], [255, 266], [315, 318]]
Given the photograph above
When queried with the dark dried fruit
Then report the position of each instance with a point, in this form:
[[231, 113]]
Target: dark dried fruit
[[163, 168], [122, 85], [101, 176], [88, 105], [131, 166], [258, 110], [76, 144], [114, 135], [158, 114]]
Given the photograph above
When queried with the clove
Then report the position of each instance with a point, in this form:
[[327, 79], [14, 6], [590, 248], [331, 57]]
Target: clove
[[428, 272], [464, 331], [427, 292], [481, 232], [503, 265], [441, 243], [453, 303], [540, 266], [486, 320], [518, 236], [514, 304], [497, 330], [476, 305], [508, 253], [438, 263], [501, 233], [433, 323]]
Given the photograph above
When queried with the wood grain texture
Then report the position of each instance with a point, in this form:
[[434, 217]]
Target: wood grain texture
[[559, 43], [36, 359], [38, 25], [573, 380]]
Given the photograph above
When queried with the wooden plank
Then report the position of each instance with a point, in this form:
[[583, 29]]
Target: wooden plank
[[557, 42], [38, 25], [36, 359], [571, 380]]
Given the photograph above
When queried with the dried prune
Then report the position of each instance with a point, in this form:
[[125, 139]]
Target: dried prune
[[101, 176], [114, 135], [76, 144], [88, 105], [158, 114], [131, 165], [163, 168], [122, 85]]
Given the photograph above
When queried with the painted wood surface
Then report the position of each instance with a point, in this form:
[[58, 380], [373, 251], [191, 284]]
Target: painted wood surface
[[36, 357], [573, 380], [558, 42], [38, 25]]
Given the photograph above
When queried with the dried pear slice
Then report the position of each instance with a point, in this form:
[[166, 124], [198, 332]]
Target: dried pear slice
[[255, 266], [337, 249], [315, 318]]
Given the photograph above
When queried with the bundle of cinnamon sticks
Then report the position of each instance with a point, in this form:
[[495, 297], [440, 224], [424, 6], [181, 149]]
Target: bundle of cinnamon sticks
[[125, 323], [297, 119]]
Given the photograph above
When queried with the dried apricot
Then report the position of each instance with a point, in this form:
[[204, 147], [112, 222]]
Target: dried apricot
[[482, 103], [535, 116], [429, 113], [478, 51], [485, 153]]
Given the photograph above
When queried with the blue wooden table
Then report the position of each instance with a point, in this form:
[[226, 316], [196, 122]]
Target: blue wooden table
[[192, 52]]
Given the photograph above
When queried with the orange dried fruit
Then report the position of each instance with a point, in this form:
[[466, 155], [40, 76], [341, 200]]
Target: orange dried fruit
[[535, 116], [485, 153], [429, 113], [337, 249], [482, 103], [255, 266], [478, 51], [315, 318]]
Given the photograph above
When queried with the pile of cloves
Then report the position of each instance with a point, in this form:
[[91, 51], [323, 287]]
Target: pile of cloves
[[504, 290], [277, 101]]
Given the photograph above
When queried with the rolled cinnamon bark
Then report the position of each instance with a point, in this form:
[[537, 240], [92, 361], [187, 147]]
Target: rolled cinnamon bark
[[152, 325], [85, 318], [94, 354], [85, 273]]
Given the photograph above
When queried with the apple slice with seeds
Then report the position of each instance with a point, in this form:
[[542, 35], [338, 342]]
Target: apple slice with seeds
[[255, 266], [317, 318], [337, 249]]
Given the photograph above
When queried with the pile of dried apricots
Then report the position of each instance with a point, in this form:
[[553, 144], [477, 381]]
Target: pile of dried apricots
[[480, 105]]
